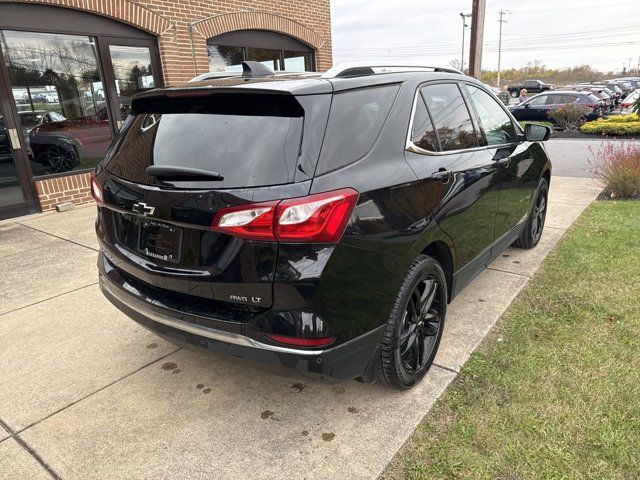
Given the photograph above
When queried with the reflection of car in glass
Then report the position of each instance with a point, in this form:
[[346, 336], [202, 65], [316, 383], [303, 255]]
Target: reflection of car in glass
[[59, 143], [5, 152]]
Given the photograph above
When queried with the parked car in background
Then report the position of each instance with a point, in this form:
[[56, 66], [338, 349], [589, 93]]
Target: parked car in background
[[626, 87], [614, 92], [634, 81], [373, 199], [537, 108], [531, 86], [630, 100], [607, 100]]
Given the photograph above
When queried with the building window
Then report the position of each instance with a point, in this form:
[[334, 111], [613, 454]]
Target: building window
[[276, 51]]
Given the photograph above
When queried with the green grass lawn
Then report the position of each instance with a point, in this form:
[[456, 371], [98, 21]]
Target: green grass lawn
[[554, 391]]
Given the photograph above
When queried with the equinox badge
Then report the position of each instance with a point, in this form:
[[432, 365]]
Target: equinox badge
[[143, 208]]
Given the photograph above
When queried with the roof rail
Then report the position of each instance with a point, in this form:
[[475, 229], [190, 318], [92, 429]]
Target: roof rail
[[357, 69]]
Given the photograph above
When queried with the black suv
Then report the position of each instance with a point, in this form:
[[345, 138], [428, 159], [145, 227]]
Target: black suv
[[316, 222]]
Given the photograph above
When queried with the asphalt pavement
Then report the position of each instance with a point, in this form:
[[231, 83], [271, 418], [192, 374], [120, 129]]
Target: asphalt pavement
[[573, 157]]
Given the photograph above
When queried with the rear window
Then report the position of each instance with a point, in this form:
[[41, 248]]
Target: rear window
[[589, 98], [251, 140]]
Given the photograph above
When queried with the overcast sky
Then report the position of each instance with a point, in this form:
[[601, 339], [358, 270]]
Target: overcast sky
[[602, 33]]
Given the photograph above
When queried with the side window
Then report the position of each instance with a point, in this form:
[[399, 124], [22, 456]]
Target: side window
[[553, 100], [497, 126], [355, 121], [423, 134], [538, 101], [450, 116]]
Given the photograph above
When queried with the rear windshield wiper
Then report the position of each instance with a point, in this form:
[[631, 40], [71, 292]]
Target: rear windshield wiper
[[182, 173]]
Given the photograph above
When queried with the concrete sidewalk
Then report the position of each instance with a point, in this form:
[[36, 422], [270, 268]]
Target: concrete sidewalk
[[86, 393]]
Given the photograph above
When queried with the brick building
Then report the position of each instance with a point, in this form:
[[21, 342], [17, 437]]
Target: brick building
[[68, 69]]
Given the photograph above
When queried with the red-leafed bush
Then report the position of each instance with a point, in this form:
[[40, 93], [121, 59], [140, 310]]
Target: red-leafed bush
[[569, 116], [618, 165]]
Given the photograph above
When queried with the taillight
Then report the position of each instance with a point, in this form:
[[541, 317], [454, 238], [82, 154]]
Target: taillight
[[626, 105], [316, 218], [319, 218], [96, 190], [301, 342], [254, 221]]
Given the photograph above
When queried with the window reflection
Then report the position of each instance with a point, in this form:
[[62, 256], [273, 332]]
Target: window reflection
[[266, 56], [451, 117], [58, 93], [225, 59], [133, 72], [297, 61]]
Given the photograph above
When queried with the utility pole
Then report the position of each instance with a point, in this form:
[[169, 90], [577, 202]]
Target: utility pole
[[477, 35], [501, 21], [464, 27]]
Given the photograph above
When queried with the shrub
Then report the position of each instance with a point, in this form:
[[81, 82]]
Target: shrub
[[569, 116], [607, 127], [618, 165], [621, 119]]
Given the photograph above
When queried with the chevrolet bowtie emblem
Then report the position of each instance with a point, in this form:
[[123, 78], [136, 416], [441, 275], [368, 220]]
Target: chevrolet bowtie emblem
[[143, 209]]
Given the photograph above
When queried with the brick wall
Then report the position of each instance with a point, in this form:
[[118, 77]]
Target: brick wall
[[182, 28], [71, 188]]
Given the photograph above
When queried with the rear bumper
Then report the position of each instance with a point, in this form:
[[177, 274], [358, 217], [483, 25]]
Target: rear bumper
[[349, 360]]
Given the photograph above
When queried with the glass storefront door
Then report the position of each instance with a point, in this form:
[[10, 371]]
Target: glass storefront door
[[59, 97], [62, 98], [12, 191], [130, 67], [16, 196]]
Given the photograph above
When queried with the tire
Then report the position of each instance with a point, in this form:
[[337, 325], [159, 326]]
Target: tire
[[514, 93], [534, 225], [415, 325]]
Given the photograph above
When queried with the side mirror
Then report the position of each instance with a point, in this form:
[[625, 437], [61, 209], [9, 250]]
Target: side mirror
[[536, 133], [526, 105]]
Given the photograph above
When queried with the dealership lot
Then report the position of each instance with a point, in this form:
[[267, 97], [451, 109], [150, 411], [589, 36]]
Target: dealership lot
[[87, 393]]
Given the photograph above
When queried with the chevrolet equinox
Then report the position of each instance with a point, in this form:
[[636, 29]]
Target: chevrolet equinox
[[315, 222]]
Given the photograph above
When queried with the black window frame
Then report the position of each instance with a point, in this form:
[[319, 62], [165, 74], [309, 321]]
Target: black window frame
[[263, 39], [473, 114], [516, 125], [410, 146]]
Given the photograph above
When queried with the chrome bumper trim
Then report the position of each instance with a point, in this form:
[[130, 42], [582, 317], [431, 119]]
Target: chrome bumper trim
[[220, 335]]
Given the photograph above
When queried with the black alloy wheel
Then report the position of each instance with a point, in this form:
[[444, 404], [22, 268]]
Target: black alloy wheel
[[539, 216], [534, 225], [60, 159], [420, 326], [415, 326]]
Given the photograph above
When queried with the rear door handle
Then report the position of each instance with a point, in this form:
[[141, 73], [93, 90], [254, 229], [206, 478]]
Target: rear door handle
[[442, 175]]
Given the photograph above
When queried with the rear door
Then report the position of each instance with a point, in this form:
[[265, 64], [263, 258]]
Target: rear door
[[447, 150], [157, 227]]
